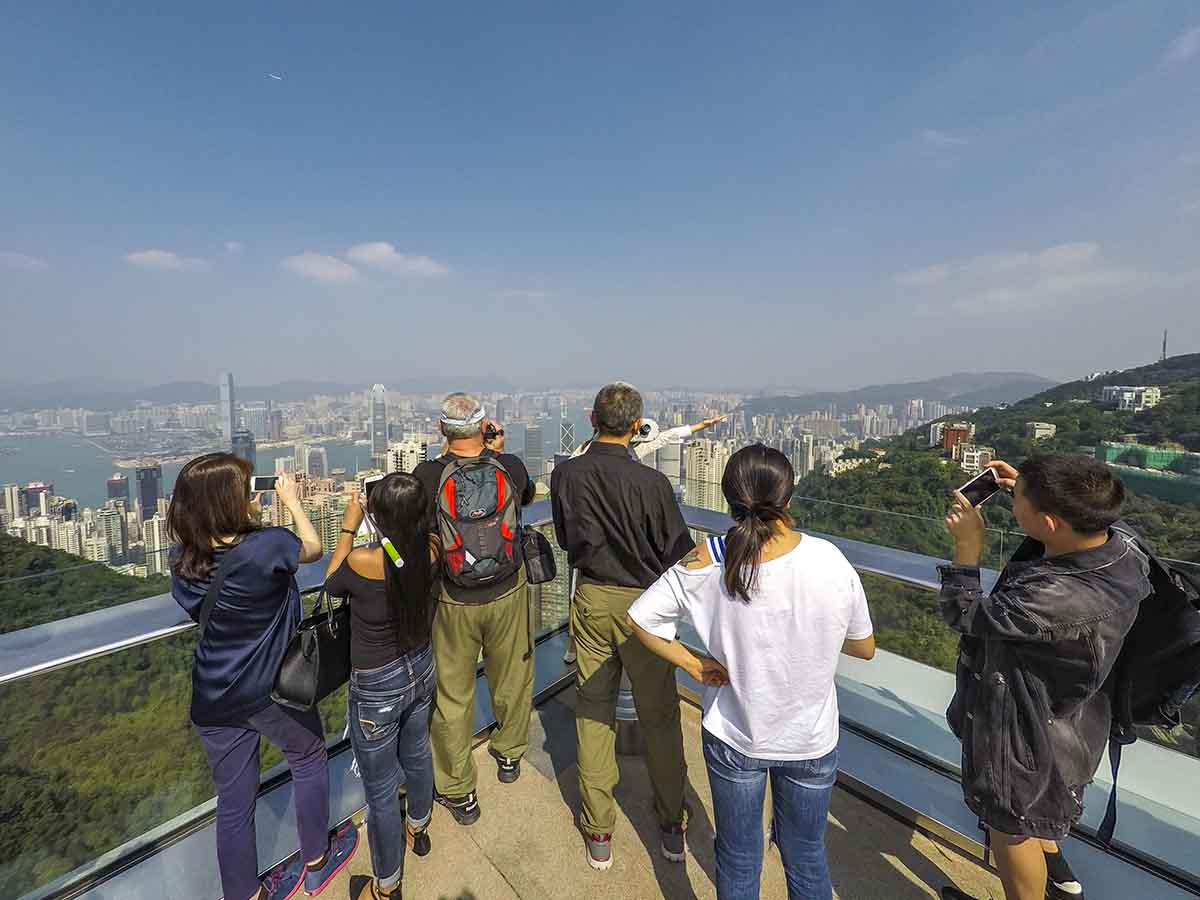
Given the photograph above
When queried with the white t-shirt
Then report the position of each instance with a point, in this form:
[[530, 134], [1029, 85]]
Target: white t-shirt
[[780, 649]]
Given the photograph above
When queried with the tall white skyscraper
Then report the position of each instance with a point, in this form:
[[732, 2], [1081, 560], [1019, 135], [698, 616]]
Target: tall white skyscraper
[[706, 461], [378, 424], [669, 461], [406, 455], [228, 411], [154, 533]]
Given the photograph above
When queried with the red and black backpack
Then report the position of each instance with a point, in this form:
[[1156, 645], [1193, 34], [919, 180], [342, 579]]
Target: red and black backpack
[[478, 521]]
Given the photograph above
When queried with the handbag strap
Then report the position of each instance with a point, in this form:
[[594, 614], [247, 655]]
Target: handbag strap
[[214, 591]]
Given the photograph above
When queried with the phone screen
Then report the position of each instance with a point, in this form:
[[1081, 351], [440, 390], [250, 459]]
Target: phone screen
[[261, 483], [369, 485], [981, 488]]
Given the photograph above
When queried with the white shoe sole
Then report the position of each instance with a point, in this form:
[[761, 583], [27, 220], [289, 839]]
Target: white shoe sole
[[673, 857], [597, 865]]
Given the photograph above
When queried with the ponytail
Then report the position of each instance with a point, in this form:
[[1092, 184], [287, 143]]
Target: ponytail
[[758, 487]]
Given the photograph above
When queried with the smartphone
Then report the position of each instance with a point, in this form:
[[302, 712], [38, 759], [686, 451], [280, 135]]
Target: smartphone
[[369, 484], [262, 483], [981, 488]]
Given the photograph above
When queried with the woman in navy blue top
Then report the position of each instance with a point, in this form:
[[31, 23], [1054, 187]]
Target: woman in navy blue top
[[215, 524]]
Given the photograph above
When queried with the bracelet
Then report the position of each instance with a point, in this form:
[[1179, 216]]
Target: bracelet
[[349, 532]]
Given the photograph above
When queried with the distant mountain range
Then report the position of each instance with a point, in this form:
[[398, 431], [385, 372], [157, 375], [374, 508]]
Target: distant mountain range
[[100, 394], [961, 388]]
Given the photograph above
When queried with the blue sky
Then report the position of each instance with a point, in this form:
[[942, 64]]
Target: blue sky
[[742, 195]]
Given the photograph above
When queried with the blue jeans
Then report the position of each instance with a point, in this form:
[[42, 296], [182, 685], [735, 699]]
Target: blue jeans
[[389, 731], [800, 792]]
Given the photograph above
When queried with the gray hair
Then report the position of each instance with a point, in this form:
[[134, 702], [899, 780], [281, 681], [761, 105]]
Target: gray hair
[[617, 407], [460, 408]]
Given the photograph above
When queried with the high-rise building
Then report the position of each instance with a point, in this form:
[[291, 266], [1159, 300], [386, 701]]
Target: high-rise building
[[257, 420], [96, 423], [243, 445], [406, 455], [154, 535], [110, 525], [317, 463], [149, 489], [228, 410], [804, 458], [36, 497], [378, 425], [706, 461], [276, 426], [566, 437], [669, 461], [12, 498], [118, 488], [534, 451]]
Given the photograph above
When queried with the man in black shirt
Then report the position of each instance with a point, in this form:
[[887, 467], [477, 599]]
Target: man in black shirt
[[621, 527], [493, 619]]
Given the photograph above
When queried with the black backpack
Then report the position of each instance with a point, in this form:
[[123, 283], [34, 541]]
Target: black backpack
[[1158, 669], [478, 521]]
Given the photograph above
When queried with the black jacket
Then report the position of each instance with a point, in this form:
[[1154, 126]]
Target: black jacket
[[616, 518], [1035, 654]]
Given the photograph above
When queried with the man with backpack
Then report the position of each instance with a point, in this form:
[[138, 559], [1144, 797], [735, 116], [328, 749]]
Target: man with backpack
[[621, 528], [477, 495], [1030, 707]]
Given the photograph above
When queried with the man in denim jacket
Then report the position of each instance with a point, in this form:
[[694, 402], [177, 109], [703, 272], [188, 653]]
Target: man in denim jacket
[[1034, 656]]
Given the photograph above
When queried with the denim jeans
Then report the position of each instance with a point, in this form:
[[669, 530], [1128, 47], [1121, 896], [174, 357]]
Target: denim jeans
[[389, 731], [800, 792], [232, 751]]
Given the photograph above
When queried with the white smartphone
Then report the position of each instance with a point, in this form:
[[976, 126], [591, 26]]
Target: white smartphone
[[982, 488], [260, 484], [369, 485]]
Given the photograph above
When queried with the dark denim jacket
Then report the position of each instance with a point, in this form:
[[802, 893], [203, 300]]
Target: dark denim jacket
[[1034, 656]]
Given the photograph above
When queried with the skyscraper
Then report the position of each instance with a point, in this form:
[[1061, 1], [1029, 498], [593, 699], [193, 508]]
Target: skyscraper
[[244, 446], [534, 451], [670, 462], [566, 437], [110, 525], [149, 489], [317, 464], [257, 420], [377, 423], [154, 534], [406, 455], [276, 426], [12, 502], [706, 461], [118, 488], [228, 411]]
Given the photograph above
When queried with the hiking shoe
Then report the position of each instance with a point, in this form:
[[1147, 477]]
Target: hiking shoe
[[465, 809], [507, 770], [283, 881], [673, 848], [1061, 883], [599, 850], [342, 847]]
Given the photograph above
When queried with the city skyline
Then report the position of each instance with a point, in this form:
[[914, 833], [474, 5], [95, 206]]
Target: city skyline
[[804, 198]]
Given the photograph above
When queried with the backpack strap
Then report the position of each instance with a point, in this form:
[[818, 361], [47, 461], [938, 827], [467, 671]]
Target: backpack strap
[[214, 591], [716, 549]]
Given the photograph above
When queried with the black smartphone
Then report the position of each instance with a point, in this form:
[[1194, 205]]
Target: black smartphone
[[260, 484], [981, 488]]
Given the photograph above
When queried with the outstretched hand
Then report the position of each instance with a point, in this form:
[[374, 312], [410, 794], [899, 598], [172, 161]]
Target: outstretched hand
[[708, 423]]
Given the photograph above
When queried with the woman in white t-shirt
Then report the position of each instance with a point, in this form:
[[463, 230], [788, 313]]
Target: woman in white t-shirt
[[774, 608]]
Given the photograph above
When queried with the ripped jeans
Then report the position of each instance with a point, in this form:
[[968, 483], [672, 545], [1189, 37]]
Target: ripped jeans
[[389, 731]]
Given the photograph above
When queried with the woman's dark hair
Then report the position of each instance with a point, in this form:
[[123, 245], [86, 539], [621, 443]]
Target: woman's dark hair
[[1083, 492], [403, 511], [758, 487], [211, 501]]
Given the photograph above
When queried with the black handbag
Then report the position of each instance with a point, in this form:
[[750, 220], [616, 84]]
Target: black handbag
[[317, 661], [539, 557]]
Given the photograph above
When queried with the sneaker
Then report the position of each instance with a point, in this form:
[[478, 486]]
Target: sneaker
[[342, 847], [1062, 883], [673, 847], [569, 657], [507, 770], [599, 850], [464, 809], [283, 881]]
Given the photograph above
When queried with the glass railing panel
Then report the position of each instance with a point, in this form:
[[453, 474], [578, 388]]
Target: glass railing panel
[[551, 602]]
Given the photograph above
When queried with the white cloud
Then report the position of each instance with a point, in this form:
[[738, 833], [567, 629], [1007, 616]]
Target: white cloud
[[319, 267], [22, 262], [1027, 282], [382, 255], [522, 294], [1183, 47], [164, 260], [942, 140], [923, 277], [234, 247]]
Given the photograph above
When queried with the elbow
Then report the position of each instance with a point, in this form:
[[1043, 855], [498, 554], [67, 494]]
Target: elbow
[[310, 553]]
